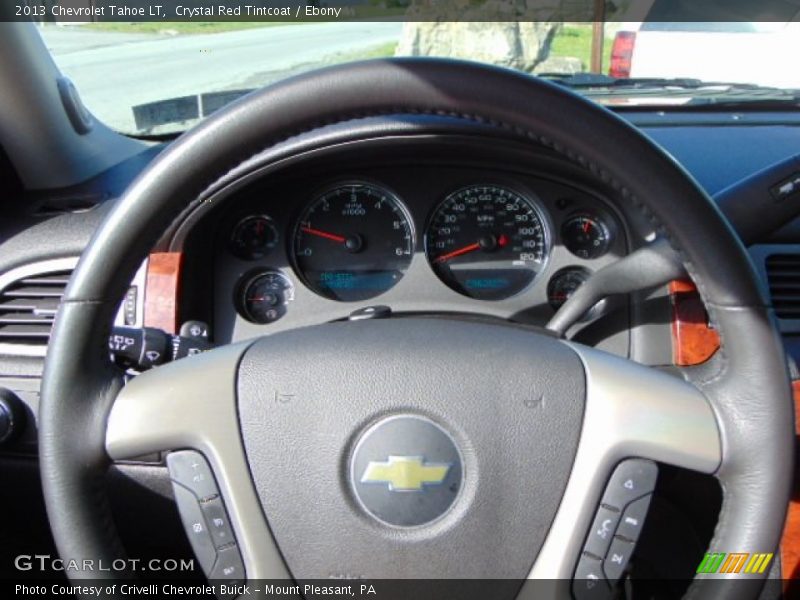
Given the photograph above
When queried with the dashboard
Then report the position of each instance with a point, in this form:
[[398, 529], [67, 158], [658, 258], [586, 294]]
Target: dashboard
[[243, 252], [459, 226]]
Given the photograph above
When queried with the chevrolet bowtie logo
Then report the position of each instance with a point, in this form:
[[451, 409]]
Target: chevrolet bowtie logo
[[405, 473]]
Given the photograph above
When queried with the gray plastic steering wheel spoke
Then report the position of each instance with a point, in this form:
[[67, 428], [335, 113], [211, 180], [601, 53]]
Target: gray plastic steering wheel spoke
[[631, 411], [191, 403]]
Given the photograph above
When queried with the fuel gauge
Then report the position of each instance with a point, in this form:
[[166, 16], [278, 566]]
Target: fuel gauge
[[253, 237]]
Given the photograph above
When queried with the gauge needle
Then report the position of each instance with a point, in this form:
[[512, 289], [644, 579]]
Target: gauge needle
[[459, 252], [488, 243], [587, 225], [324, 234]]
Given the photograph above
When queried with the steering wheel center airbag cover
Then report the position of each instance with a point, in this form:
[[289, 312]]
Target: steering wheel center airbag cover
[[406, 471], [509, 401]]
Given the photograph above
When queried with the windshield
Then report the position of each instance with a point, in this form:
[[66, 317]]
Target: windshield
[[150, 78]]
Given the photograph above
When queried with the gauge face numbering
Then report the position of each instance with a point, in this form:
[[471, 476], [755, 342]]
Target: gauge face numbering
[[353, 242], [586, 236], [487, 242]]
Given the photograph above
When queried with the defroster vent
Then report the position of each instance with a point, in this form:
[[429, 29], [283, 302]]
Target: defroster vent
[[783, 275]]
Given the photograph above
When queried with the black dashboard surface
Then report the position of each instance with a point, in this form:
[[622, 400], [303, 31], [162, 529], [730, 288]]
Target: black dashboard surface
[[719, 154], [717, 148]]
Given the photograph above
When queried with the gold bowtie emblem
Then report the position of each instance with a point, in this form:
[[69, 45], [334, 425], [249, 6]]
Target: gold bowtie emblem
[[405, 473]]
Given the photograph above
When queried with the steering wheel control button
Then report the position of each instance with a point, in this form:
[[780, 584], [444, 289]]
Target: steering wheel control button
[[630, 525], [229, 564], [618, 556], [190, 469], [602, 531], [590, 581], [617, 524], [406, 471], [632, 479], [217, 520], [204, 516], [196, 529]]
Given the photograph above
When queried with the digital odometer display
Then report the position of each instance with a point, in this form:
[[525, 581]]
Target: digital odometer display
[[353, 242], [487, 242]]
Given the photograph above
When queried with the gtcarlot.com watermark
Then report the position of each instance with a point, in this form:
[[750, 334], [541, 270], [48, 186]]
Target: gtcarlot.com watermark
[[48, 563]]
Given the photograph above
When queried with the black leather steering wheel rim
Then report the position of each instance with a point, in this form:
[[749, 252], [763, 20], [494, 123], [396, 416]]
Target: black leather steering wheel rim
[[747, 385]]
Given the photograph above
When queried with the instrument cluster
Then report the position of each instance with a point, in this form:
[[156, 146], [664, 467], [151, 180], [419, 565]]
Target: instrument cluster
[[353, 241]]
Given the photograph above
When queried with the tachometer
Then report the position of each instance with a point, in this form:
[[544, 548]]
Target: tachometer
[[353, 242], [487, 242]]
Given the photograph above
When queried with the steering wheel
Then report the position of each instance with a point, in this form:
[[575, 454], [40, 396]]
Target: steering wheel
[[419, 447]]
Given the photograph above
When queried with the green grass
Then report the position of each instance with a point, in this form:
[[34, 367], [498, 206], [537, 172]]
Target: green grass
[[183, 28], [379, 51], [575, 39]]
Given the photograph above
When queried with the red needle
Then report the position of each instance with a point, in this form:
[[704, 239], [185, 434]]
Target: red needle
[[587, 225], [459, 252], [324, 234]]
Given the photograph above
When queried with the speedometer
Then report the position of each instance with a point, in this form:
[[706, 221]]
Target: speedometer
[[487, 242], [353, 242]]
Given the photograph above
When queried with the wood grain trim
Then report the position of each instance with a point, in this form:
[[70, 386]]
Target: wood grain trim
[[161, 290], [693, 341], [790, 544]]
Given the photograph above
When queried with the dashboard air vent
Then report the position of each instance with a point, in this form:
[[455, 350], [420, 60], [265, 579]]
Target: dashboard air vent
[[783, 275], [28, 307]]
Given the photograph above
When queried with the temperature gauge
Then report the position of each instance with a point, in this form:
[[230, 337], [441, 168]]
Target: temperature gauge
[[263, 297], [254, 237]]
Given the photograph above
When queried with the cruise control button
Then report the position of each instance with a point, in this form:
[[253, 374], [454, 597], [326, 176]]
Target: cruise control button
[[195, 525], [217, 520], [190, 469], [630, 525], [602, 532], [589, 582], [618, 556], [632, 479], [229, 564]]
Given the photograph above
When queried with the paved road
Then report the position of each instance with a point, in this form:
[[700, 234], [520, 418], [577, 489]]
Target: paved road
[[115, 71]]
